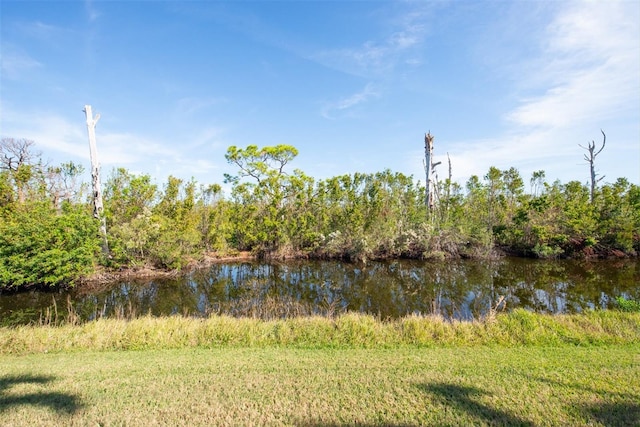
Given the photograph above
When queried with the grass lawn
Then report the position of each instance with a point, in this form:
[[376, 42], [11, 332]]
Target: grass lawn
[[404, 386]]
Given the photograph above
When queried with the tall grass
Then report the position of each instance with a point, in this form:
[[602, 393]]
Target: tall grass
[[350, 330]]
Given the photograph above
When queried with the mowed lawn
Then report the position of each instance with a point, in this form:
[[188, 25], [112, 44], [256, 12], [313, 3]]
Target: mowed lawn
[[404, 386]]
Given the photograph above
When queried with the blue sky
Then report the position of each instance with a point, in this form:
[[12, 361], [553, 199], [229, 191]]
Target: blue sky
[[354, 85]]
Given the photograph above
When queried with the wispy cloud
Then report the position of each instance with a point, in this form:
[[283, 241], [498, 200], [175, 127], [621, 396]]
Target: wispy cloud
[[92, 13], [342, 105], [209, 137], [40, 30], [55, 135], [62, 140], [126, 148], [592, 53], [588, 76], [380, 56], [376, 59], [50, 132], [188, 106], [526, 152], [14, 62], [145, 155]]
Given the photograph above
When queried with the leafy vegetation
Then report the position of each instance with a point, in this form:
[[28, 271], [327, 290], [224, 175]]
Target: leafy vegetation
[[48, 236], [628, 305], [39, 245]]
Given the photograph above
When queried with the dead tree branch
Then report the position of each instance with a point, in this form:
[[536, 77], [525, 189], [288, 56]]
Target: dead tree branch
[[591, 159]]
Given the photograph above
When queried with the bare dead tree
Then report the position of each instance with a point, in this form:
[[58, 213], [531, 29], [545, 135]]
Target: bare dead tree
[[591, 158], [431, 183], [62, 182], [98, 207], [18, 156], [449, 181], [537, 182], [15, 153]]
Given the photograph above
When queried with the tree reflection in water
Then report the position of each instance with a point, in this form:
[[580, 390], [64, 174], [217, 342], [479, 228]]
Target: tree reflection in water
[[464, 289]]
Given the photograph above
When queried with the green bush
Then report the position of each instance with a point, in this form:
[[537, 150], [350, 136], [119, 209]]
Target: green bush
[[41, 247], [628, 305]]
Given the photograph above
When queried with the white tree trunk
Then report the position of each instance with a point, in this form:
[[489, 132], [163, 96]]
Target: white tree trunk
[[431, 184], [98, 208], [428, 153]]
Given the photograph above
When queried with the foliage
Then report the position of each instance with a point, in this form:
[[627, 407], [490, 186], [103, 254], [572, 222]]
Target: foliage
[[47, 235], [264, 204], [275, 212], [628, 305], [39, 246], [164, 229]]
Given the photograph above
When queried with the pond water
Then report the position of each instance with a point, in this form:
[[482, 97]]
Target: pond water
[[464, 289]]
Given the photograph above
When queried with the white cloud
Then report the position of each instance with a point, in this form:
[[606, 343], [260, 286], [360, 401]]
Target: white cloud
[[57, 136], [50, 132], [527, 152], [61, 140], [592, 56], [122, 149], [380, 57], [589, 78], [357, 98], [349, 102]]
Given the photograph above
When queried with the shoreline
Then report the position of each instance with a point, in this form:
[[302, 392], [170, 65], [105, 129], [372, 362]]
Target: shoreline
[[103, 275]]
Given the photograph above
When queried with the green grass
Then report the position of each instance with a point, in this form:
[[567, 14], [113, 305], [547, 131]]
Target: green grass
[[565, 385], [519, 368]]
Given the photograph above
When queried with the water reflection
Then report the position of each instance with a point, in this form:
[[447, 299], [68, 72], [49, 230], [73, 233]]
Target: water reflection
[[455, 290]]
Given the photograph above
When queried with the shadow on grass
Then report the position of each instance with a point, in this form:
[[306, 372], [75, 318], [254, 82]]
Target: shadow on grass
[[457, 399], [59, 402], [621, 413], [321, 424], [464, 399], [614, 414], [586, 389]]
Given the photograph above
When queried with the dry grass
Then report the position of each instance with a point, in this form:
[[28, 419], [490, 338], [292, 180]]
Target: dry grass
[[517, 328]]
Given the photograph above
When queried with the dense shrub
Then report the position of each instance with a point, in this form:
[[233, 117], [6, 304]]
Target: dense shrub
[[40, 246]]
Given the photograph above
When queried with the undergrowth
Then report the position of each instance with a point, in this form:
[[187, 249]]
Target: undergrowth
[[628, 305]]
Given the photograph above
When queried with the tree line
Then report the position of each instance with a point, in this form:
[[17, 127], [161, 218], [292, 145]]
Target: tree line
[[49, 237]]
